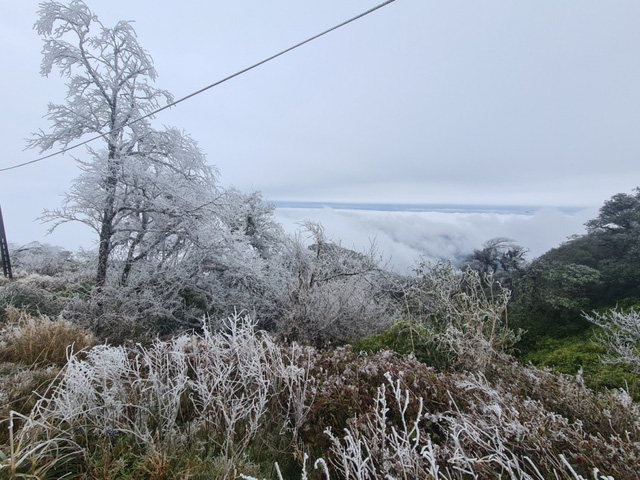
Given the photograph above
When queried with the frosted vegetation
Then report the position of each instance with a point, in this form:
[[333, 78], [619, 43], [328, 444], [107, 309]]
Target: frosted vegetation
[[214, 404], [201, 341]]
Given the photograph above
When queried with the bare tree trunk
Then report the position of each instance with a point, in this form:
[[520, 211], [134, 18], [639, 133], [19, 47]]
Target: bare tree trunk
[[131, 257], [108, 214], [106, 232]]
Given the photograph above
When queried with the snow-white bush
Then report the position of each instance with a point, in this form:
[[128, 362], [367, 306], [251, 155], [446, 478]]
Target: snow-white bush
[[233, 381], [333, 294], [236, 374], [114, 391], [464, 311], [621, 335]]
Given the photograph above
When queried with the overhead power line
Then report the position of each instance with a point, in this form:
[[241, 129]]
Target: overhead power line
[[198, 92]]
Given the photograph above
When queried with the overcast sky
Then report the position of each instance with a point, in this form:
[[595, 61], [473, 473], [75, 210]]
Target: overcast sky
[[523, 102]]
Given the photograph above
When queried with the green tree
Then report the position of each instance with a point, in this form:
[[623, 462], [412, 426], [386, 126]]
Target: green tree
[[548, 299], [619, 215], [616, 232]]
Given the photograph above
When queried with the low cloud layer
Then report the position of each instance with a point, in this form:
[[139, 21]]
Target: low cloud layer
[[403, 237]]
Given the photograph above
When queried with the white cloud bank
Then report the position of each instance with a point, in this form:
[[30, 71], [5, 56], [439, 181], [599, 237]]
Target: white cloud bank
[[400, 236], [403, 236]]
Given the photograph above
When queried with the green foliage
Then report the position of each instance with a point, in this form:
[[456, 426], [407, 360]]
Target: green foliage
[[598, 270], [81, 290], [619, 215], [628, 304], [558, 288], [615, 376], [548, 301], [611, 246], [194, 300], [407, 337], [583, 353], [567, 355], [579, 250]]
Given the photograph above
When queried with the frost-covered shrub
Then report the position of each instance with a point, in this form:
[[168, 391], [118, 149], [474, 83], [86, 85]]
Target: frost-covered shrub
[[475, 423], [218, 392], [122, 314], [336, 312], [390, 442], [43, 259], [621, 335], [237, 373], [461, 313], [23, 295], [479, 432], [607, 413], [220, 400], [333, 294], [113, 391], [378, 447]]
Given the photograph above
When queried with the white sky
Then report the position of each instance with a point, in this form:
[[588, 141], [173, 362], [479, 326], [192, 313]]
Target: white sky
[[493, 102]]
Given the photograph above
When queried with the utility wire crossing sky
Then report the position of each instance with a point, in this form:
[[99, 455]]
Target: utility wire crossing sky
[[202, 90]]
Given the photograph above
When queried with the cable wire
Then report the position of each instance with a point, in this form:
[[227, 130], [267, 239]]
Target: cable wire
[[198, 92]]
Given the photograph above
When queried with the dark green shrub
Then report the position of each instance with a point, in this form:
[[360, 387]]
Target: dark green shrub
[[572, 354], [567, 355], [406, 337]]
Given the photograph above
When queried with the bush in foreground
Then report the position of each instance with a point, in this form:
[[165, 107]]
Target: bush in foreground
[[621, 335], [142, 408], [234, 402]]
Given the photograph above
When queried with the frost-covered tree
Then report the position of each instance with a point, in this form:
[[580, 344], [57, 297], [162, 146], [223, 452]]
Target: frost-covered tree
[[498, 255], [142, 190], [243, 263], [334, 294]]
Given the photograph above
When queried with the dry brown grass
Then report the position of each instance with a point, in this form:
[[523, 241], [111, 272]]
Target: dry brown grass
[[33, 340]]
